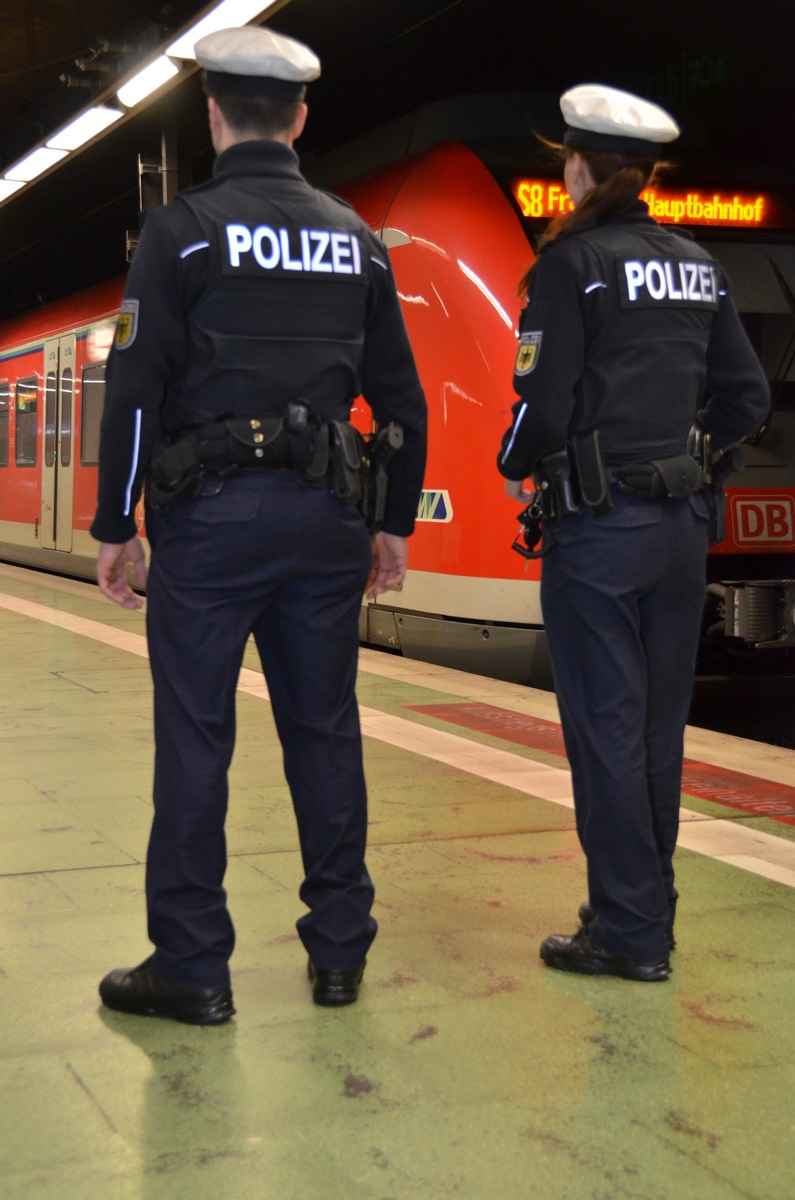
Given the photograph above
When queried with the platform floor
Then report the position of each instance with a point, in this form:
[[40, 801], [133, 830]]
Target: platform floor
[[467, 1069]]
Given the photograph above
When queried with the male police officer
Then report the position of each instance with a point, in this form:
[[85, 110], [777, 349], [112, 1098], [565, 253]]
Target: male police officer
[[628, 331], [256, 310]]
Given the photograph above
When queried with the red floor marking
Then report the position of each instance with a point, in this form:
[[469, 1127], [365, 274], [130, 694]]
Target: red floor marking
[[501, 722], [759, 797]]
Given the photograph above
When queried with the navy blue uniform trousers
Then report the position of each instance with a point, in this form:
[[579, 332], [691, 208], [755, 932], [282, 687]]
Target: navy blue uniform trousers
[[622, 596], [288, 564]]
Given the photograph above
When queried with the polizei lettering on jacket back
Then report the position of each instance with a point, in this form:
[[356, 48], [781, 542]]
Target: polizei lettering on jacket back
[[673, 283], [285, 250]]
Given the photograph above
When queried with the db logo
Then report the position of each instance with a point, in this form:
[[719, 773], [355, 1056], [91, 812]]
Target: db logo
[[763, 519]]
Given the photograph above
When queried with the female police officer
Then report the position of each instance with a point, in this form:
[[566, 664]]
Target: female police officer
[[255, 311], [628, 332]]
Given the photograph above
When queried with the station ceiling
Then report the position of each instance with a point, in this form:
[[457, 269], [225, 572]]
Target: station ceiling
[[722, 67]]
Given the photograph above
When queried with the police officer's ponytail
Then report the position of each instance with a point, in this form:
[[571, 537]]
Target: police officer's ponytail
[[619, 179]]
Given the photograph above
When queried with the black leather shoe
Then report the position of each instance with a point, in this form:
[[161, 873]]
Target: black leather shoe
[[333, 988], [587, 914], [578, 953], [144, 991]]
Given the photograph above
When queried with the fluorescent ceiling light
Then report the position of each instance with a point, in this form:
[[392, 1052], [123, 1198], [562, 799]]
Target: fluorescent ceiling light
[[227, 15], [34, 164], [147, 81], [83, 128], [7, 188]]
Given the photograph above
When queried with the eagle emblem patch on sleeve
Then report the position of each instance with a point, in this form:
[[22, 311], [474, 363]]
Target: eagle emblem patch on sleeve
[[127, 325], [529, 350]]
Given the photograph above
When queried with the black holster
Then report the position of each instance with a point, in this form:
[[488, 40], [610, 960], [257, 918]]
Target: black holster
[[567, 483], [308, 443], [347, 461], [556, 482], [714, 495], [592, 476], [380, 447], [574, 479], [357, 468], [699, 447]]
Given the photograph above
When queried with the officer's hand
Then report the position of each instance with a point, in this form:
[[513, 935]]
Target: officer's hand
[[111, 571], [516, 490], [390, 558]]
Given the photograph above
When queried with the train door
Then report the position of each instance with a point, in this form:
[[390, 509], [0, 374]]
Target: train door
[[57, 489]]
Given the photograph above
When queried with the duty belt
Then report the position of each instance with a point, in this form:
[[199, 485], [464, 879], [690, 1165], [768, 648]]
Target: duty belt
[[200, 460], [576, 480]]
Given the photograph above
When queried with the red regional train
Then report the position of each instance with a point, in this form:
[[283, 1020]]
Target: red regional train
[[459, 234]]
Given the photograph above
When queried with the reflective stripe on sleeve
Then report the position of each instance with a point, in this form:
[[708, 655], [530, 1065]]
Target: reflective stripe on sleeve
[[134, 467], [517, 423]]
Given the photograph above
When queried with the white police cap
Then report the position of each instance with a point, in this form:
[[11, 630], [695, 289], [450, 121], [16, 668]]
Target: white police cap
[[604, 118], [257, 61]]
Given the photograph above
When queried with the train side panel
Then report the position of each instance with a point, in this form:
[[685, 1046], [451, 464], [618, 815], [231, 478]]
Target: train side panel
[[458, 251], [51, 396], [21, 376]]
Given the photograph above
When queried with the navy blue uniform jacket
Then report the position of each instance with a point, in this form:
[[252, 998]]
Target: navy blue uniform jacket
[[629, 329]]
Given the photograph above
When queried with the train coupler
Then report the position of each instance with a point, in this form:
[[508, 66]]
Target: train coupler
[[760, 613]]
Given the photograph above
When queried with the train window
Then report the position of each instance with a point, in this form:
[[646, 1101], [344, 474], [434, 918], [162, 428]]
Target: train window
[[50, 398], [67, 388], [27, 407], [5, 394], [93, 404]]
